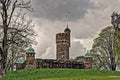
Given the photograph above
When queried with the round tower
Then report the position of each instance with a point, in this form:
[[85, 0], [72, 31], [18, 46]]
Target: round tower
[[67, 34], [88, 60], [63, 45], [30, 58]]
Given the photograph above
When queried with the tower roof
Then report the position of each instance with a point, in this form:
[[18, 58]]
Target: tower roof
[[67, 29], [30, 50], [19, 61], [88, 55]]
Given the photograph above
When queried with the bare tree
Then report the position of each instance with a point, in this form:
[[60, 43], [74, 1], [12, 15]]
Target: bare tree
[[21, 34], [8, 8]]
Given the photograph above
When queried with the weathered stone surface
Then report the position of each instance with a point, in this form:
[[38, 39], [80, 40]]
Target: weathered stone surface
[[63, 45], [52, 63]]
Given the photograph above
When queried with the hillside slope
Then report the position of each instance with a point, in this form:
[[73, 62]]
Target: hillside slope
[[61, 74]]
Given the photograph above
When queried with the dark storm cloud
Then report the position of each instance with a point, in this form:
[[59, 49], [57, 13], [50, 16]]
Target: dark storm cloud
[[58, 9]]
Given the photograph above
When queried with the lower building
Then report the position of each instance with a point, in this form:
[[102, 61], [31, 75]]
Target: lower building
[[31, 62], [88, 60], [62, 56], [20, 63], [52, 63]]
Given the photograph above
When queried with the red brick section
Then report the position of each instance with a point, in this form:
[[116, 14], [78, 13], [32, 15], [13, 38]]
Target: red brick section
[[88, 63], [62, 46], [2, 73], [30, 60]]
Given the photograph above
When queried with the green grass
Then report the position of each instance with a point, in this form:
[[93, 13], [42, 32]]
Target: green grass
[[61, 74]]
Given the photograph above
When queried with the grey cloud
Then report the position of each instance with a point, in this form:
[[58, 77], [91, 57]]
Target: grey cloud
[[84, 21], [58, 9]]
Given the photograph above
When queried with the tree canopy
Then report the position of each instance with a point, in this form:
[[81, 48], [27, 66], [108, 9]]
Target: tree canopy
[[106, 49]]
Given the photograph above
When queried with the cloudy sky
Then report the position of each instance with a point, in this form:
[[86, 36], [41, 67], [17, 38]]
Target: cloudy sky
[[85, 19]]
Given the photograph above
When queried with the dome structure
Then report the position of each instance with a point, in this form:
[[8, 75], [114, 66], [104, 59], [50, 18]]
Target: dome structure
[[20, 61], [67, 29], [30, 50], [88, 55]]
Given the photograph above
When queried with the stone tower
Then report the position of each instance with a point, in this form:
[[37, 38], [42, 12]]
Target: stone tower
[[30, 58], [63, 45], [88, 60]]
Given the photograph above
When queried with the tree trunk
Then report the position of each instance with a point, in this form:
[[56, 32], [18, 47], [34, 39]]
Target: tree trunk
[[4, 45], [12, 65], [113, 65]]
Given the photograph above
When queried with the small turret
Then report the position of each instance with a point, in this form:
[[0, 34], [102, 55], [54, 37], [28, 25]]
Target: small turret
[[88, 60], [30, 58], [67, 29], [30, 51], [67, 32]]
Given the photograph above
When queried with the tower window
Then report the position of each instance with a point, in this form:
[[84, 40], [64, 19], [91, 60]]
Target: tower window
[[61, 48], [62, 56], [31, 63]]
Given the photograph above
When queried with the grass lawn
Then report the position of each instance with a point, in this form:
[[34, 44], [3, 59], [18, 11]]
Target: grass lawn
[[61, 74]]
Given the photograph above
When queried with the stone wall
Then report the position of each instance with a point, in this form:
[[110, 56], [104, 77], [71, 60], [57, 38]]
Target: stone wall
[[51, 63]]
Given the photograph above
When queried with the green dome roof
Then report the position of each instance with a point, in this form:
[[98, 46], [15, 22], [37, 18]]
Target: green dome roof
[[30, 50], [88, 54], [19, 61]]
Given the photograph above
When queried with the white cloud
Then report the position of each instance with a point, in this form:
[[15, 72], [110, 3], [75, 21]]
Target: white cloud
[[47, 54]]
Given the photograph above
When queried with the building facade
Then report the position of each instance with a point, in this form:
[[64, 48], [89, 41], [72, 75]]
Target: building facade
[[62, 56], [53, 63], [63, 45], [30, 58], [88, 60]]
